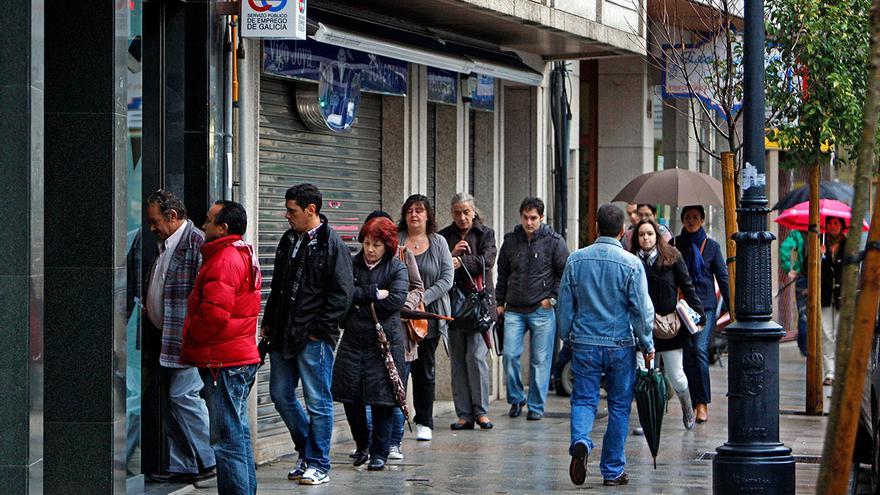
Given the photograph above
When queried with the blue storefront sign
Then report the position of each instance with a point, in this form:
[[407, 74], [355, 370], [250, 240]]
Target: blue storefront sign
[[442, 86], [308, 60], [483, 96]]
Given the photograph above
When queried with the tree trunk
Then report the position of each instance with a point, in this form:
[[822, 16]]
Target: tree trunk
[[728, 178], [815, 391], [854, 344]]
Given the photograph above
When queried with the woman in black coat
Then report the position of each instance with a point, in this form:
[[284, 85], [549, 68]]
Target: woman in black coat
[[360, 377], [667, 276]]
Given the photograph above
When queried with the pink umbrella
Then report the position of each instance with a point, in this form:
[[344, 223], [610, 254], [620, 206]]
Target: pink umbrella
[[798, 216]]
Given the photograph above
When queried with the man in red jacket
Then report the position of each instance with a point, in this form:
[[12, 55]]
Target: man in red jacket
[[219, 338]]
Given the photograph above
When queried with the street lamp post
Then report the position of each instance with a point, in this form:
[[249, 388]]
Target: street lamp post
[[753, 460]]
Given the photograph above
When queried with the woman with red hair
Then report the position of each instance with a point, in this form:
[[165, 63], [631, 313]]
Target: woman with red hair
[[360, 378]]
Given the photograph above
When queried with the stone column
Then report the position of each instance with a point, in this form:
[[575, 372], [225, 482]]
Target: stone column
[[21, 247], [85, 253]]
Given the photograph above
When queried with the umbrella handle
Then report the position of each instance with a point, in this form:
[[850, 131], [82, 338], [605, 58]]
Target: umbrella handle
[[648, 360]]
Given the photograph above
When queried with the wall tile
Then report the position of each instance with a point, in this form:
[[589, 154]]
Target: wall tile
[[13, 418], [92, 471], [14, 479]]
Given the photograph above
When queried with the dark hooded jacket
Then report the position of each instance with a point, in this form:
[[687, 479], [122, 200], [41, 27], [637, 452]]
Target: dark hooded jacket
[[359, 373], [323, 294], [530, 270]]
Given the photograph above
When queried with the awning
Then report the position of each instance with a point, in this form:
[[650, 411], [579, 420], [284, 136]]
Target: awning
[[418, 47]]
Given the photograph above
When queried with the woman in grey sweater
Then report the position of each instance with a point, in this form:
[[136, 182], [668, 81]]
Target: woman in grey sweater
[[417, 232]]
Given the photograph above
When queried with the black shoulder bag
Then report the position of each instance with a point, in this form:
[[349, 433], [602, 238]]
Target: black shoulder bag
[[471, 308]]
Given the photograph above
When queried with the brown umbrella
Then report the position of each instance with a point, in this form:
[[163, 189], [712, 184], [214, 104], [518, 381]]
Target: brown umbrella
[[674, 187], [393, 375]]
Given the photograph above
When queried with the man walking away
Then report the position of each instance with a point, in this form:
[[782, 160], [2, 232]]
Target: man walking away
[[169, 284], [604, 312], [219, 337], [312, 289], [530, 266]]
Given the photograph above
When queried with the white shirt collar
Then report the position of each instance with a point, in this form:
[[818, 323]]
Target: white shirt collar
[[173, 240]]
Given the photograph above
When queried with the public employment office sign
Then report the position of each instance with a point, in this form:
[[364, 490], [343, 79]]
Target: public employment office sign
[[284, 19]]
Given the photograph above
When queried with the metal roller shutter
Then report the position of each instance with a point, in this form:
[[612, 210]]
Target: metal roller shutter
[[431, 193], [346, 167]]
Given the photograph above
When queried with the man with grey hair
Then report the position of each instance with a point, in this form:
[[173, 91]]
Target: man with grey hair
[[169, 284], [604, 313], [473, 255]]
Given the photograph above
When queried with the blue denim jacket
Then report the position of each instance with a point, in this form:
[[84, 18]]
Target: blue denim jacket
[[603, 298]]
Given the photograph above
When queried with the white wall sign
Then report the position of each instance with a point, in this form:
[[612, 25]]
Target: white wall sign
[[284, 19]]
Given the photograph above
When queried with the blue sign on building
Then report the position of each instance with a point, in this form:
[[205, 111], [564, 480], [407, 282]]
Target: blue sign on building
[[483, 96], [308, 60], [442, 86]]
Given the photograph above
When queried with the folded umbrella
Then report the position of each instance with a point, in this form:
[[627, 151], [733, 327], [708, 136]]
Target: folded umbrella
[[396, 382], [498, 335], [650, 392], [798, 216]]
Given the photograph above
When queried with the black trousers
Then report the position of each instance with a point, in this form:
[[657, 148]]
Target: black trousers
[[377, 441], [422, 371]]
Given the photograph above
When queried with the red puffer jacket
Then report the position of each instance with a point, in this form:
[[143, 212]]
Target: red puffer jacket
[[221, 316]]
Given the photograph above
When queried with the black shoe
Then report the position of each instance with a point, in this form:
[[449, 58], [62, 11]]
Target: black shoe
[[515, 410], [577, 470], [560, 390], [486, 425], [623, 479], [534, 416], [467, 425], [376, 464], [361, 458]]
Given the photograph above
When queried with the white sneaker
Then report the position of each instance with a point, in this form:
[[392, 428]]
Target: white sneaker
[[314, 476], [423, 433], [394, 453]]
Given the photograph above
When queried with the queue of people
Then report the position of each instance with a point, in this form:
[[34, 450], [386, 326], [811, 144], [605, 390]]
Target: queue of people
[[334, 324]]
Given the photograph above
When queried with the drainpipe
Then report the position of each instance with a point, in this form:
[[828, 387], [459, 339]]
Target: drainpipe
[[244, 144], [227, 110]]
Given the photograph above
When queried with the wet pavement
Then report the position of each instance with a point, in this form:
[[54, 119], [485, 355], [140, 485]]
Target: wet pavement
[[520, 456]]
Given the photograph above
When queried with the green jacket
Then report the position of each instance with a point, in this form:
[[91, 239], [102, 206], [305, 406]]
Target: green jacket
[[794, 242]]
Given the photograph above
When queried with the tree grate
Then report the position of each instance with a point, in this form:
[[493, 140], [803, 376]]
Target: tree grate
[[800, 459]]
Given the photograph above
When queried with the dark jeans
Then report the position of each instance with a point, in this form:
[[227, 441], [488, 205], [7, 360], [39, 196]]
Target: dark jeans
[[226, 392], [422, 370], [800, 295], [376, 437], [696, 361]]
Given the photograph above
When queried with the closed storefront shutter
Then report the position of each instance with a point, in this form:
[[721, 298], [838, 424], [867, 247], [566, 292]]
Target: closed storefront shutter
[[346, 167]]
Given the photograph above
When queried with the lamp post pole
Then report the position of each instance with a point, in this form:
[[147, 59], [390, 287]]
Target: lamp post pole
[[753, 460]]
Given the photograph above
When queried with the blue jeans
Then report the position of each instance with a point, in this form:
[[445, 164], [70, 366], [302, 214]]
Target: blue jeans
[[226, 392], [310, 432], [542, 324], [800, 297], [696, 361], [588, 363]]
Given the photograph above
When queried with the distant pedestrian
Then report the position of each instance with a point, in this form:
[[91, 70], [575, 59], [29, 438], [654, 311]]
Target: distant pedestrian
[[169, 284], [833, 249], [473, 250], [311, 293], [417, 231], [410, 348], [219, 337], [667, 278], [360, 376], [792, 260], [632, 212], [605, 311], [706, 266], [530, 265]]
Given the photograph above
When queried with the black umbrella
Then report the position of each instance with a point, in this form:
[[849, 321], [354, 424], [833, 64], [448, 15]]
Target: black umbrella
[[650, 392], [827, 190], [393, 375]]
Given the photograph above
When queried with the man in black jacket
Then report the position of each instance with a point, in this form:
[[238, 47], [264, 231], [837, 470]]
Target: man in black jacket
[[312, 287], [530, 266]]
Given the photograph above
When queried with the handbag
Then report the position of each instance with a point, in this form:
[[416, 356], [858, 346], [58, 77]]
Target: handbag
[[688, 316], [416, 330], [666, 326], [471, 308]]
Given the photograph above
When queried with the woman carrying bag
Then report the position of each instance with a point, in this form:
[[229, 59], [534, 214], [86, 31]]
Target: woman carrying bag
[[667, 277], [360, 375], [473, 252]]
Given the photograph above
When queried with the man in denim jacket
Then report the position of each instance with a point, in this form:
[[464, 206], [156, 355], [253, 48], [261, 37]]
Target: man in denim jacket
[[604, 312]]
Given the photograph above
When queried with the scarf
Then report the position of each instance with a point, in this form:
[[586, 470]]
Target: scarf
[[648, 257], [690, 248]]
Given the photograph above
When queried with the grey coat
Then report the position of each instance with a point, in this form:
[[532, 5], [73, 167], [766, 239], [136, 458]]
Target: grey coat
[[435, 267]]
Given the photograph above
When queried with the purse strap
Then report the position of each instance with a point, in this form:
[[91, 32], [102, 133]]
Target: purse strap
[[468, 273]]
